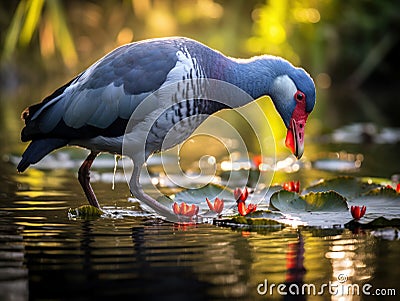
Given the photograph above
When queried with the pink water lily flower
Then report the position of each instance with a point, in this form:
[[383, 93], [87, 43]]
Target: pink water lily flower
[[241, 195], [218, 205], [244, 210], [358, 212], [292, 186], [185, 209], [397, 187]]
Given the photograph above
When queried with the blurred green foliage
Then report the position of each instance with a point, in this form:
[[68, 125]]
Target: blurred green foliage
[[341, 39], [343, 44], [31, 16]]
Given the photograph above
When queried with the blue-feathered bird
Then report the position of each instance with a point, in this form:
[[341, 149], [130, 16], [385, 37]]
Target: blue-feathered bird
[[93, 109]]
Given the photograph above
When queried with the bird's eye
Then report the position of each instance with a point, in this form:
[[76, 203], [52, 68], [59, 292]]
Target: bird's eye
[[299, 96]]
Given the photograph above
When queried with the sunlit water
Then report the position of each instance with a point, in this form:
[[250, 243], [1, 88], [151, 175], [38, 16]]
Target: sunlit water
[[44, 255]]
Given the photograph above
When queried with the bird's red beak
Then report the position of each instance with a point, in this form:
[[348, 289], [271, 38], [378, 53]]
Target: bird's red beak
[[295, 137]]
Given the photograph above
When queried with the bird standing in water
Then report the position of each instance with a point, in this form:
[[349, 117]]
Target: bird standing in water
[[94, 109]]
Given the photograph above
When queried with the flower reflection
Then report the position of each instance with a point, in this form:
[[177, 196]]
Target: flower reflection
[[246, 234], [184, 226], [295, 269]]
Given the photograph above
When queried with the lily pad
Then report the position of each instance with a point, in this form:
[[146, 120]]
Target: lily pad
[[385, 192], [349, 187], [198, 197], [376, 180], [85, 212], [328, 201], [211, 191], [266, 214], [165, 200], [244, 221]]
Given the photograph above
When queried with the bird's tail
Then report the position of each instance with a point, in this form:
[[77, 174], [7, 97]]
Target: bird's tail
[[37, 149]]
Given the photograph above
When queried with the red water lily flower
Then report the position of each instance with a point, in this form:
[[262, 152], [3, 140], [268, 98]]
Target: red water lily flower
[[358, 212], [257, 160], [397, 187], [292, 186], [241, 195], [185, 210], [243, 210], [218, 205]]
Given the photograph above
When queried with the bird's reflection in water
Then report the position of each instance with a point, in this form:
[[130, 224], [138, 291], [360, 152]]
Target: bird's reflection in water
[[295, 270]]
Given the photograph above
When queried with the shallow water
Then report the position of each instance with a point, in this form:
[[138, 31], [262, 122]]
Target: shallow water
[[44, 255], [47, 256]]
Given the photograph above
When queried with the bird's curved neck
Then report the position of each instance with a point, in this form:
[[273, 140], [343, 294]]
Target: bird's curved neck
[[255, 76]]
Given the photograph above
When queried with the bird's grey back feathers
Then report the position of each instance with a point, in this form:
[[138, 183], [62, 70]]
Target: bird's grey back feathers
[[113, 87]]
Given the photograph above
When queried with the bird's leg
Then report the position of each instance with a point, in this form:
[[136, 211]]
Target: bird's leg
[[137, 191], [84, 179]]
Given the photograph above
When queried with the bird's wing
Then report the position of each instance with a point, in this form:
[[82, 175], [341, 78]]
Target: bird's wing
[[101, 99]]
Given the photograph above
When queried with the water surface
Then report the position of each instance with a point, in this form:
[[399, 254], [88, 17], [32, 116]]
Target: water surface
[[45, 255]]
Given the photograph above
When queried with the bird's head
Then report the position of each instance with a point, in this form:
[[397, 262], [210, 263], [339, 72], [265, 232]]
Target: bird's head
[[293, 93]]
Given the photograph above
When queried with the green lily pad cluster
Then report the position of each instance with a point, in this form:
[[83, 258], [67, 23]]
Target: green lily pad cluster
[[348, 187], [287, 201], [327, 203], [331, 195], [323, 204], [250, 221], [337, 194]]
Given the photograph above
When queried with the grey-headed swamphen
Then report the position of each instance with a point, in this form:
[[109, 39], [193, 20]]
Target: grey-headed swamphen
[[94, 108]]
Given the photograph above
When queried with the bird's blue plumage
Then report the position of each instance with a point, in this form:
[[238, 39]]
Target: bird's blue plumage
[[38, 149], [93, 109], [108, 91], [115, 85], [138, 67]]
